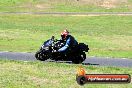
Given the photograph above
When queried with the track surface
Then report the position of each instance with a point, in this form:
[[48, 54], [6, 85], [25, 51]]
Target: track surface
[[99, 61], [70, 13]]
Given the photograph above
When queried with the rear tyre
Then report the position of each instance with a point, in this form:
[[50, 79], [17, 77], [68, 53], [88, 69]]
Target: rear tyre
[[79, 59], [82, 57], [76, 61]]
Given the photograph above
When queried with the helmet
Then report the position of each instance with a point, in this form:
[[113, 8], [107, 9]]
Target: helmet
[[64, 34]]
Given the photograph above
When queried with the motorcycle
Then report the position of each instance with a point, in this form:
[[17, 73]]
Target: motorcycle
[[49, 49]]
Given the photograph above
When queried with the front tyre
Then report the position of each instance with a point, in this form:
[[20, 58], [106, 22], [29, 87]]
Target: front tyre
[[40, 56]]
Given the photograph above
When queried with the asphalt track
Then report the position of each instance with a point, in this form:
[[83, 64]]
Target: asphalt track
[[97, 61], [70, 13]]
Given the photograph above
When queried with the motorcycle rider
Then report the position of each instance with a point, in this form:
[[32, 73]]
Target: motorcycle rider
[[70, 42]]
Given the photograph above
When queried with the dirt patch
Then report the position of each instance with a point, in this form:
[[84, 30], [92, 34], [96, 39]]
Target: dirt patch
[[108, 4], [35, 6], [43, 6], [112, 3], [104, 3]]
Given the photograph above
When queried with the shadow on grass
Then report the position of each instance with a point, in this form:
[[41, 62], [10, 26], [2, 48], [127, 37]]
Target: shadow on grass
[[70, 62]]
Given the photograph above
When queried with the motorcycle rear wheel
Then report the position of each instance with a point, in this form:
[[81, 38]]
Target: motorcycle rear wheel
[[79, 58]]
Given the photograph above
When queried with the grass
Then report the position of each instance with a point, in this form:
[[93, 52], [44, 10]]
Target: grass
[[20, 74], [65, 6], [106, 35]]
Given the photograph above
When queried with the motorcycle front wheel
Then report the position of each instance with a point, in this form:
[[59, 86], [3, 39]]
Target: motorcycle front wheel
[[39, 55]]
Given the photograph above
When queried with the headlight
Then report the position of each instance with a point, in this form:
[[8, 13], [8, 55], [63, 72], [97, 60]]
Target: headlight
[[45, 48]]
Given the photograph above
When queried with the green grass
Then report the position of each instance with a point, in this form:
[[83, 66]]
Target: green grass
[[106, 35], [65, 6], [20, 74]]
